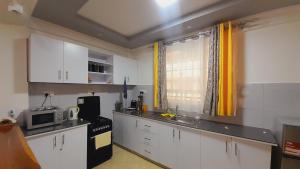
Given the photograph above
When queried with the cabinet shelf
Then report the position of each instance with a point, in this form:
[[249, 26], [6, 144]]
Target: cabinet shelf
[[100, 61], [100, 82], [99, 73]]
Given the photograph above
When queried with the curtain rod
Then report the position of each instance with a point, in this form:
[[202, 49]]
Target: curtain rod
[[186, 37]]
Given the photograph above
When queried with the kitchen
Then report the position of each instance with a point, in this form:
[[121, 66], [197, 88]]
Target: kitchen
[[58, 58]]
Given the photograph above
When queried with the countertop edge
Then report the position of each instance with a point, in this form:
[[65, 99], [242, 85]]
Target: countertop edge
[[197, 129], [55, 131]]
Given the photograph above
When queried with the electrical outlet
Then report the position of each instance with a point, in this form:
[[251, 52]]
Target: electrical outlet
[[12, 113]]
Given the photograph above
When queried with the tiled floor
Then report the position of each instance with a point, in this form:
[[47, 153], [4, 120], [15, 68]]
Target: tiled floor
[[123, 159]]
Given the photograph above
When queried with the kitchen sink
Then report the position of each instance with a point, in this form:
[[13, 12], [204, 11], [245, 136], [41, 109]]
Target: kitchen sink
[[183, 119]]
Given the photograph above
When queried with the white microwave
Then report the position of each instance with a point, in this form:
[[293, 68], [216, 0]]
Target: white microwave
[[43, 117]]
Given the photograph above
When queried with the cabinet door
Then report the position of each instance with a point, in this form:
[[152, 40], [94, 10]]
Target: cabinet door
[[45, 59], [130, 133], [117, 129], [75, 63], [124, 68], [73, 148], [120, 68], [167, 146], [215, 151], [45, 149], [132, 71], [188, 150], [249, 155]]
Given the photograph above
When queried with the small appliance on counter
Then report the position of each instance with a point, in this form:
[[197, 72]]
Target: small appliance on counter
[[43, 117], [134, 105], [99, 137], [73, 113]]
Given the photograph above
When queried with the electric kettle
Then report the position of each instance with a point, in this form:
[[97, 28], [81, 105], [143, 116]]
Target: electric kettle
[[73, 113]]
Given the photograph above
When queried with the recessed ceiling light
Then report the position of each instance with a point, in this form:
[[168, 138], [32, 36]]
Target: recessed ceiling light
[[165, 3]]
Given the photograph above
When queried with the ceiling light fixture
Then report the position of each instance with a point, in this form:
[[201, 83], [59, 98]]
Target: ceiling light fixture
[[165, 3]]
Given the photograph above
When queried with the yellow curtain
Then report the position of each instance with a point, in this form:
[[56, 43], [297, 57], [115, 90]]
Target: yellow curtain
[[225, 102], [155, 76]]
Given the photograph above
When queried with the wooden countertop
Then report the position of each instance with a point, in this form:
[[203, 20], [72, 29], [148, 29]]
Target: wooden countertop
[[14, 150]]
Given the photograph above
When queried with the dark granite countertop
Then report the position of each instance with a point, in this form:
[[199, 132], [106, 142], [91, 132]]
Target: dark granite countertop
[[239, 131], [56, 128]]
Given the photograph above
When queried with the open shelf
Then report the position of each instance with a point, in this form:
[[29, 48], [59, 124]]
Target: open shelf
[[99, 73], [100, 61], [100, 68]]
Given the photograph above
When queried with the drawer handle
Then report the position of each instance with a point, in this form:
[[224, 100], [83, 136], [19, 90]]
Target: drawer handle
[[147, 151], [147, 125], [54, 142], [173, 133], [226, 144], [147, 139], [235, 149]]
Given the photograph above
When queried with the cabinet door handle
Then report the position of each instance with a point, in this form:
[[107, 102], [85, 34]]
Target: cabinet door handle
[[235, 149], [67, 75], [226, 144], [54, 142], [59, 74], [63, 139], [147, 139], [179, 135], [173, 133]]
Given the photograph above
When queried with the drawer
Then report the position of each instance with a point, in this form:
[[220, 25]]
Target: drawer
[[151, 152], [148, 126], [149, 139]]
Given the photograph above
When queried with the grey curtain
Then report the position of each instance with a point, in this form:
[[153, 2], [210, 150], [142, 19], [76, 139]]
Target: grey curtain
[[211, 98], [162, 85]]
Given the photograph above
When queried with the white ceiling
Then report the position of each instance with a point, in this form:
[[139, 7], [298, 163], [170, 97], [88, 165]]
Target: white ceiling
[[130, 17], [12, 18]]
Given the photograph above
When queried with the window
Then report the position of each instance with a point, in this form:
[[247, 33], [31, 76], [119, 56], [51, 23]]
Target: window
[[186, 74]]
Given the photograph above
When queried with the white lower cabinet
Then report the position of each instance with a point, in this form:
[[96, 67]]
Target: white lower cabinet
[[178, 147], [125, 132], [215, 151], [249, 155], [232, 153], [188, 150], [167, 146], [61, 150]]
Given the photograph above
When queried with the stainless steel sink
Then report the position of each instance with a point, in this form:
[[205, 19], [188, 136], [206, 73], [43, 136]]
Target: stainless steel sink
[[183, 119]]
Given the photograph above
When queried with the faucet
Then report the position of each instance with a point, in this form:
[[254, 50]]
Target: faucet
[[176, 109]]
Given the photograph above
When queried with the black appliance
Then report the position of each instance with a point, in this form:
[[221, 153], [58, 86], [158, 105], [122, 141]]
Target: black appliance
[[90, 110]]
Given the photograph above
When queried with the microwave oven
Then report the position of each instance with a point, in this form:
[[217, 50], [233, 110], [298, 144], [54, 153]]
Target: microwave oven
[[44, 117]]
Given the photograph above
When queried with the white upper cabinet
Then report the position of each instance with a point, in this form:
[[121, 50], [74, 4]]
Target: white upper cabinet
[[75, 63], [124, 68], [45, 59], [55, 61]]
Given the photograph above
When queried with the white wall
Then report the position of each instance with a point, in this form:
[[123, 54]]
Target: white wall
[[271, 53], [268, 68], [13, 57], [13, 68]]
